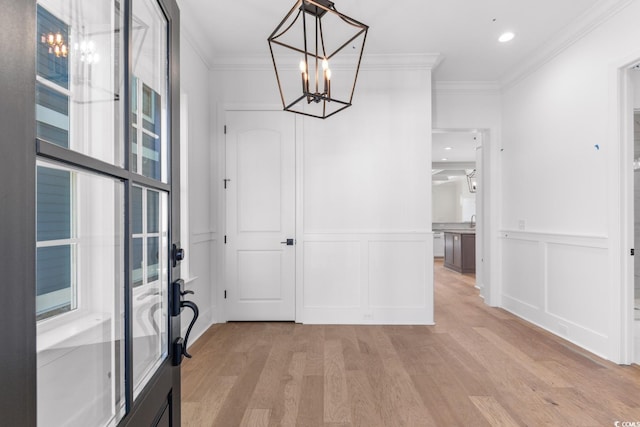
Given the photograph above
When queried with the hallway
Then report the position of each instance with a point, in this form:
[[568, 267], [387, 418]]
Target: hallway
[[478, 366]]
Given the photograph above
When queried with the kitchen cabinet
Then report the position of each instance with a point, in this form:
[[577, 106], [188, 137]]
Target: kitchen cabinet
[[438, 244], [460, 251]]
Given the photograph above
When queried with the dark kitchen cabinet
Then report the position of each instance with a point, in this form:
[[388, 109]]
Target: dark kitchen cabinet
[[460, 251]]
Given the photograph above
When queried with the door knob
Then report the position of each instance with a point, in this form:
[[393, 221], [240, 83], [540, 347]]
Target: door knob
[[289, 242]]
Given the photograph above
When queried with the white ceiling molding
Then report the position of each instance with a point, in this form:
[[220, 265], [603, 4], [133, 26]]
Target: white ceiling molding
[[427, 61], [483, 87], [582, 26], [188, 29]]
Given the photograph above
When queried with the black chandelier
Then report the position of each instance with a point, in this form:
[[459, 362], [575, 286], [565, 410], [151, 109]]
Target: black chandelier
[[316, 53]]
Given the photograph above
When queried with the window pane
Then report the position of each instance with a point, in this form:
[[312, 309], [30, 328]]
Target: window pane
[[137, 210], [152, 258], [153, 208], [53, 205], [151, 156], [80, 76], [138, 262], [52, 116], [150, 301], [53, 67], [80, 350], [134, 149], [150, 93], [54, 285]]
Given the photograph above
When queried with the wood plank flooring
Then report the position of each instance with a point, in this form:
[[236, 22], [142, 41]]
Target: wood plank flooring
[[479, 366]]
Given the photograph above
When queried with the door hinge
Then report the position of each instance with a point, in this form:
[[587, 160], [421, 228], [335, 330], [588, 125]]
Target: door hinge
[[225, 129], [225, 239], [225, 294], [225, 182], [633, 252]]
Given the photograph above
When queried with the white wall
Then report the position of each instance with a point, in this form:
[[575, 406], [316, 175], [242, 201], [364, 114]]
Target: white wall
[[452, 201], [363, 194], [445, 202], [561, 208], [201, 253]]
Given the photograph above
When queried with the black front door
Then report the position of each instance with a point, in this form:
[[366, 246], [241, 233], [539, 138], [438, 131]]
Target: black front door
[[90, 212]]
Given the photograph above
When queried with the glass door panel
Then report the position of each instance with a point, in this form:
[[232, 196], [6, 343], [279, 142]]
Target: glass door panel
[[80, 297], [149, 91], [79, 76], [150, 242]]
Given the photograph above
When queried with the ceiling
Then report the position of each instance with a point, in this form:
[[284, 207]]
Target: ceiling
[[454, 147], [465, 32], [453, 155]]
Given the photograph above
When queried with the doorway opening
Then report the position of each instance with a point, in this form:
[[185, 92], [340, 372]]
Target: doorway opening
[[457, 202]]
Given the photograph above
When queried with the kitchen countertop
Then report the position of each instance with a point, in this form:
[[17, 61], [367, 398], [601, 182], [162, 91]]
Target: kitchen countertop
[[459, 231]]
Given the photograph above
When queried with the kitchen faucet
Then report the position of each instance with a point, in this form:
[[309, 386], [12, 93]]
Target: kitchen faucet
[[472, 222]]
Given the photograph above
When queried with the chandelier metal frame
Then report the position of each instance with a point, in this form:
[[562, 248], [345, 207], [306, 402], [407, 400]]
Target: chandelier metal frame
[[315, 57]]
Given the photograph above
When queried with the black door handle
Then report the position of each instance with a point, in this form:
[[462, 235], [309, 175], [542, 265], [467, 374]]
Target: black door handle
[[289, 242], [177, 304]]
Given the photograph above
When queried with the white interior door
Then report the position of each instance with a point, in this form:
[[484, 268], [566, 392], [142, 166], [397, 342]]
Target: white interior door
[[260, 202]]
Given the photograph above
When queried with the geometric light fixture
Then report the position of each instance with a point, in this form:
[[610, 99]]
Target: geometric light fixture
[[316, 53], [87, 51], [56, 44]]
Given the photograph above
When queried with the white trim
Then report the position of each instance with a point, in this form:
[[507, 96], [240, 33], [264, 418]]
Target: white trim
[[299, 219], [426, 61], [480, 87], [599, 13], [583, 240], [356, 232], [622, 209], [189, 27]]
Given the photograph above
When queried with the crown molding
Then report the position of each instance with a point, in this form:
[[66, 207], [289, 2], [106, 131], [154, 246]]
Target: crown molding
[[189, 27], [578, 29], [264, 62], [481, 87]]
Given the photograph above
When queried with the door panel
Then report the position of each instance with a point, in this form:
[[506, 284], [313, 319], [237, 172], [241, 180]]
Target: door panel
[[260, 164], [106, 80], [259, 181]]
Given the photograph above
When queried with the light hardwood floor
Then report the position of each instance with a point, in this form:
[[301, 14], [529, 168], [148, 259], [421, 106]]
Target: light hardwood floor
[[479, 366]]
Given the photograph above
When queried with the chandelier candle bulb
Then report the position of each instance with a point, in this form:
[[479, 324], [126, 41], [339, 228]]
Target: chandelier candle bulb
[[305, 78]]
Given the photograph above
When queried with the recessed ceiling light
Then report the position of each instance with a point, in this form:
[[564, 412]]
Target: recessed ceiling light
[[506, 37], [448, 148], [445, 159]]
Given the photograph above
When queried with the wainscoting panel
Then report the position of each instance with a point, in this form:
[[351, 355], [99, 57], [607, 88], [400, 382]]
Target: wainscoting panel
[[367, 278], [397, 275], [560, 283], [522, 274], [577, 285], [332, 275]]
